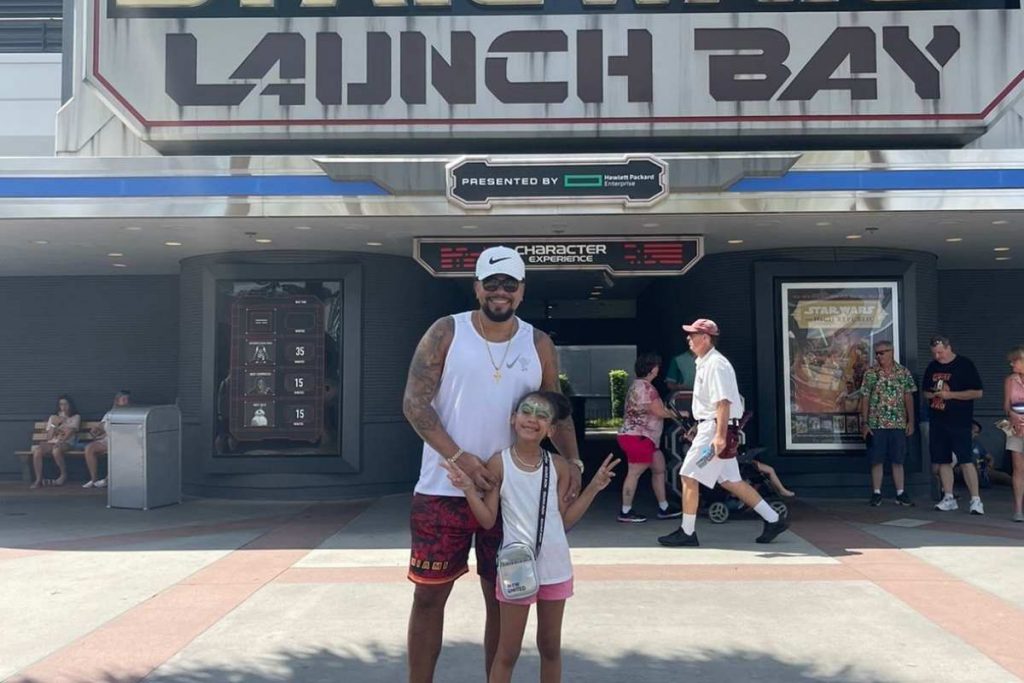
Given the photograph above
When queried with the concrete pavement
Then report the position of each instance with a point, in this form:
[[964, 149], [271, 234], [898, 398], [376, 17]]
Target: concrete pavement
[[214, 591]]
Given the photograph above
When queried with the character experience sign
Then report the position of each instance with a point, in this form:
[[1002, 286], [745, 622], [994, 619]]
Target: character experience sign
[[195, 70], [828, 332]]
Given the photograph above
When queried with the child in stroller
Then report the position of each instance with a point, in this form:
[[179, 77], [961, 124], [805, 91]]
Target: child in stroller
[[718, 504]]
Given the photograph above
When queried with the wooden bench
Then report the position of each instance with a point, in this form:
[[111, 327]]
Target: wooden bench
[[39, 436]]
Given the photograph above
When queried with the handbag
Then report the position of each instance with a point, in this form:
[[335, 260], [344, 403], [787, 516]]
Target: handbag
[[517, 561], [732, 437]]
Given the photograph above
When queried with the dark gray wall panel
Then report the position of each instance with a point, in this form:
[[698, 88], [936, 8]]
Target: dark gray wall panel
[[980, 315], [85, 336]]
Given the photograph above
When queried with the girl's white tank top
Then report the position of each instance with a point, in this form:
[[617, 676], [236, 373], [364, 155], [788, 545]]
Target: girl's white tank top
[[520, 504]]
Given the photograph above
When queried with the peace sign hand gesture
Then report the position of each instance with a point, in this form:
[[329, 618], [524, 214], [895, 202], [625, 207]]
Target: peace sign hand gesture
[[605, 473]]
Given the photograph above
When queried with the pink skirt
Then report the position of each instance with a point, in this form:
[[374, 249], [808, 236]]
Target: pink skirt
[[550, 591]]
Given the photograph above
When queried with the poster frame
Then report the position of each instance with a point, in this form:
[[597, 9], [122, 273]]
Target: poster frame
[[785, 287]]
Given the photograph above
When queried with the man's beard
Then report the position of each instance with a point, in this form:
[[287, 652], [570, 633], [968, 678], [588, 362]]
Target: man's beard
[[497, 317]]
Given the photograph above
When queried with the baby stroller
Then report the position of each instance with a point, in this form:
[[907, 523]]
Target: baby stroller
[[717, 503]]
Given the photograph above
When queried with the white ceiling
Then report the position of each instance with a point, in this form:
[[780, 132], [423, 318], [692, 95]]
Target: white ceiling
[[80, 246]]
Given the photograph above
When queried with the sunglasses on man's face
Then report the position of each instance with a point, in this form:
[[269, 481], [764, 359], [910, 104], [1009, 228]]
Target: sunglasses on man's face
[[882, 352], [492, 284], [537, 410]]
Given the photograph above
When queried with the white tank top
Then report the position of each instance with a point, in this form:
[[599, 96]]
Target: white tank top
[[474, 409], [520, 503]]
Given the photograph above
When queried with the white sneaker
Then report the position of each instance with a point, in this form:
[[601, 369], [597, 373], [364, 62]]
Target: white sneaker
[[947, 505], [88, 485], [1018, 516], [977, 508], [101, 484]]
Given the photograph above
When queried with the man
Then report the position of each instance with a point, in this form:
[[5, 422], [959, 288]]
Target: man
[[467, 374], [951, 385], [887, 420], [99, 444], [716, 401]]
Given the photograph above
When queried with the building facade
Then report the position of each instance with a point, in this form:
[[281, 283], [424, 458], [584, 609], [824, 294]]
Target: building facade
[[257, 208]]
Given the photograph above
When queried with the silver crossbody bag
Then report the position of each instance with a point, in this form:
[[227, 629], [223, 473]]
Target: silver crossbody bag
[[517, 561]]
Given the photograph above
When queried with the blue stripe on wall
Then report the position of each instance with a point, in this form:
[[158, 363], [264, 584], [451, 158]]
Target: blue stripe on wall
[[186, 186], [941, 179]]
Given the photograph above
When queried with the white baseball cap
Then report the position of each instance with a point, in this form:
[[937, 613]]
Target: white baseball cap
[[500, 261]]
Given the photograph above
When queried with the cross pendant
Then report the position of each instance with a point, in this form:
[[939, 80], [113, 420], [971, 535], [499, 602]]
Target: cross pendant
[[497, 376]]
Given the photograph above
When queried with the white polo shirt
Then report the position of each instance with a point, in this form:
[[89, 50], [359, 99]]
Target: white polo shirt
[[715, 382]]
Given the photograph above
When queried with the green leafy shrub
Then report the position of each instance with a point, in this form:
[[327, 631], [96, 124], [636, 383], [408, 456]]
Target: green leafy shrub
[[617, 381]]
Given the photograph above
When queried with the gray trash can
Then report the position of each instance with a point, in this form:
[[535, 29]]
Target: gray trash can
[[145, 457]]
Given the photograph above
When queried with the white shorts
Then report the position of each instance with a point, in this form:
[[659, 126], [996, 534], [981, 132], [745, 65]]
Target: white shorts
[[715, 471]]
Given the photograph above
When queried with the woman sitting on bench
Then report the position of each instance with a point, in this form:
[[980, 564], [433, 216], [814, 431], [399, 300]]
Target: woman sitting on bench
[[61, 435]]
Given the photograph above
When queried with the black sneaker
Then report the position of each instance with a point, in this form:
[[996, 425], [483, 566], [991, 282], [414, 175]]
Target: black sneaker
[[904, 500], [631, 517], [876, 500], [773, 529], [679, 539], [671, 512]]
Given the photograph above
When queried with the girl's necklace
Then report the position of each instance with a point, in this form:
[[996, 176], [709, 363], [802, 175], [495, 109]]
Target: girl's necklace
[[487, 345], [526, 465]]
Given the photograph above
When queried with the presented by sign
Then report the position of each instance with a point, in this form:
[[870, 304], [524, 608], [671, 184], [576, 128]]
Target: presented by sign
[[617, 256], [448, 70], [480, 182]]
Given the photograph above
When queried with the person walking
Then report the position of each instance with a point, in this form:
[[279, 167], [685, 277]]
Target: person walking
[[887, 420], [951, 385], [465, 378], [1013, 406], [642, 424], [716, 402]]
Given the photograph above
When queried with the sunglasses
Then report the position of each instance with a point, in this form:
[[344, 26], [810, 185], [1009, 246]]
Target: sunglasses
[[537, 410], [883, 352], [492, 284]]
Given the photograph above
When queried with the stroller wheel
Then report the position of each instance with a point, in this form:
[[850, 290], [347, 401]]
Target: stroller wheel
[[718, 512], [779, 507]]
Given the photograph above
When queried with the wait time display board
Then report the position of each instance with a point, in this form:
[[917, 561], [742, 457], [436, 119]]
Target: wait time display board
[[277, 368]]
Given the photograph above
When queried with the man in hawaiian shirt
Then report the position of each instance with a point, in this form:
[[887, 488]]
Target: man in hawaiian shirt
[[887, 419]]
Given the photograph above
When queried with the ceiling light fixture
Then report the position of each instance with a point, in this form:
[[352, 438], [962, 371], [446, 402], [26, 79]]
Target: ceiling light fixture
[[172, 244], [40, 242], [652, 225], [119, 265], [115, 254], [1000, 222], [735, 241], [1003, 258], [1001, 249], [133, 228], [823, 224], [954, 239], [375, 244], [303, 227], [263, 240], [854, 237], [470, 227]]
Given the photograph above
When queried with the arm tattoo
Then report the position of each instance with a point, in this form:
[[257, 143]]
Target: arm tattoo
[[425, 377]]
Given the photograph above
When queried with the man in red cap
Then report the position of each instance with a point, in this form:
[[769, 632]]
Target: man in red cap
[[716, 402]]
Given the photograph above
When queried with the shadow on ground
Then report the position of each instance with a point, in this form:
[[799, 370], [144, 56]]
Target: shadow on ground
[[462, 663]]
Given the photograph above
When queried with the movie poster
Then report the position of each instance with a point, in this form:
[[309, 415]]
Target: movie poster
[[829, 332]]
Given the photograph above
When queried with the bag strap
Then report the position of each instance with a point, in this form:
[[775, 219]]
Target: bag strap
[[543, 512]]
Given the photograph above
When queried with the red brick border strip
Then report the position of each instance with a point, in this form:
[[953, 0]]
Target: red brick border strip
[[130, 646]]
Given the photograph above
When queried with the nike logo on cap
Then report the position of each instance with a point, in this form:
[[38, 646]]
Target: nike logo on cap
[[493, 260]]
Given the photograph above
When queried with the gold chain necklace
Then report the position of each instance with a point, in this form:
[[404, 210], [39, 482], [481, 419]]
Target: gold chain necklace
[[487, 345], [526, 465]]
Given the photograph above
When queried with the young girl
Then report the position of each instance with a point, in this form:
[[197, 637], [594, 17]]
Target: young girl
[[519, 471]]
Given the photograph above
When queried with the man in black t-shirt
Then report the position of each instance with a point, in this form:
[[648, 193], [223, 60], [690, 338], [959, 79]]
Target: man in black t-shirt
[[951, 385]]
